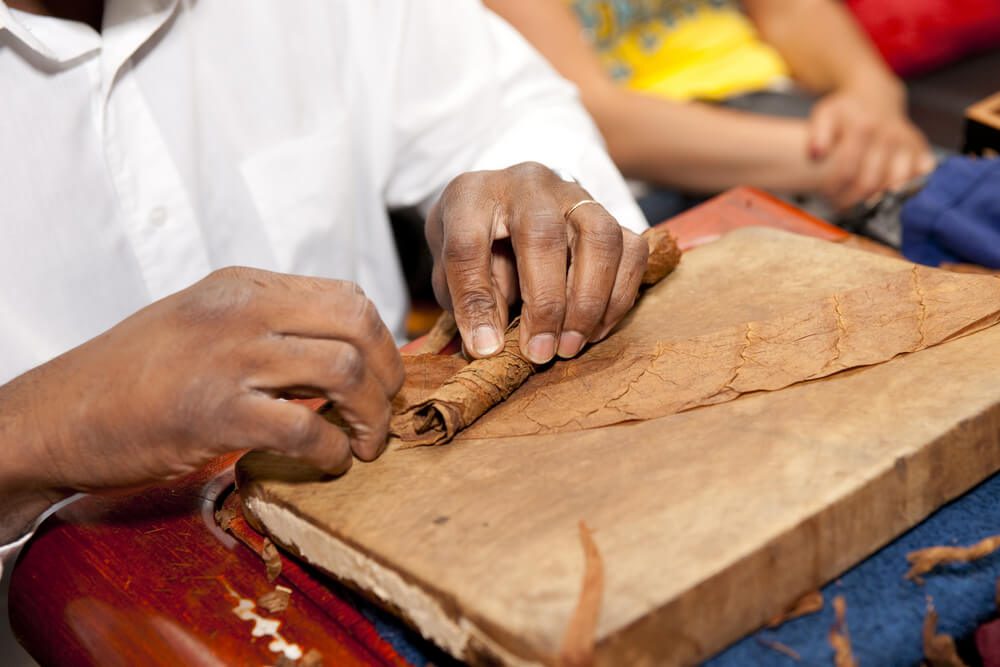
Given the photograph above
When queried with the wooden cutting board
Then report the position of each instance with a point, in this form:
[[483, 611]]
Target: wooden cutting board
[[708, 521]]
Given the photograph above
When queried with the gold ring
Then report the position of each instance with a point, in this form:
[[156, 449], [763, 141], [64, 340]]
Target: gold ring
[[578, 205]]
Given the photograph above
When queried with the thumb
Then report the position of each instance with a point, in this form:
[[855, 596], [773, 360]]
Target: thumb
[[822, 131]]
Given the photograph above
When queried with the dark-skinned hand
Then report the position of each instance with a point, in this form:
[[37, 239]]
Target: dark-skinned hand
[[502, 236]]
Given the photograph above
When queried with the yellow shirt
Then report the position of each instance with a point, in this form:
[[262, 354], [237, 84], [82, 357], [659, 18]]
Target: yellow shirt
[[681, 49]]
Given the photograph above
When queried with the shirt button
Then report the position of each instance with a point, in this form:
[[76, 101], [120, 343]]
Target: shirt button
[[157, 216]]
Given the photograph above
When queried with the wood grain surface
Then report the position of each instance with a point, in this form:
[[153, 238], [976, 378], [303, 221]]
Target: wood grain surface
[[708, 522]]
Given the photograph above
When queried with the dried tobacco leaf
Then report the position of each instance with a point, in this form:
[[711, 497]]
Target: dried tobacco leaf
[[312, 658], [643, 371], [578, 642], [809, 603], [484, 383], [839, 638], [464, 398], [939, 650], [784, 649], [224, 517], [925, 560], [276, 600], [438, 338], [272, 560]]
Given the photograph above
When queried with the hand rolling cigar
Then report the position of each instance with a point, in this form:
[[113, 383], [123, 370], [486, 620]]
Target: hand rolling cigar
[[483, 383]]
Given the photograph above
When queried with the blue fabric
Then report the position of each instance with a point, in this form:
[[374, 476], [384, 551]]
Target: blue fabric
[[885, 612], [956, 217]]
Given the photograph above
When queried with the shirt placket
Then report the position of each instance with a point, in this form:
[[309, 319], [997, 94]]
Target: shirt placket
[[158, 216]]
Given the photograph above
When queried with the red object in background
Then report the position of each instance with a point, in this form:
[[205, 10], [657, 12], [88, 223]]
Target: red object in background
[[916, 36], [148, 578]]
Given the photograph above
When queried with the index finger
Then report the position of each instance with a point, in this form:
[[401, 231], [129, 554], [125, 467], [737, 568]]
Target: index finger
[[466, 255], [336, 310]]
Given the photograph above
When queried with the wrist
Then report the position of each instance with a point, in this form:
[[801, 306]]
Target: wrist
[[877, 87], [29, 435]]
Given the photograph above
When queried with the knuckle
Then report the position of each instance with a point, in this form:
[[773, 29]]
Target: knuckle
[[635, 248], [223, 292], [589, 307], [461, 248], [462, 190], [302, 429], [476, 300], [546, 231], [605, 237], [548, 309], [362, 314], [348, 367], [530, 171]]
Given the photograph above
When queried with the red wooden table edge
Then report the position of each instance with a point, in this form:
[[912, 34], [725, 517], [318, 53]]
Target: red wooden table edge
[[143, 577]]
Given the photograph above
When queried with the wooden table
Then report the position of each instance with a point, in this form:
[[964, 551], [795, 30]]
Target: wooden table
[[150, 578]]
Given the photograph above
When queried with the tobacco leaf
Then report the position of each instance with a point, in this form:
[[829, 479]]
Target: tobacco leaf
[[276, 600], [642, 372], [312, 658], [484, 383], [224, 517], [839, 638], [465, 396], [438, 338], [809, 603], [653, 367], [939, 649], [925, 560], [272, 560], [577, 648], [784, 649]]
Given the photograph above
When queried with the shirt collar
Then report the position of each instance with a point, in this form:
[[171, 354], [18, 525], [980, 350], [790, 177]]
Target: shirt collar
[[63, 42], [56, 40]]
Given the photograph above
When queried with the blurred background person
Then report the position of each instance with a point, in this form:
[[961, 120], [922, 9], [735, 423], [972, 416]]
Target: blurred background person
[[697, 96]]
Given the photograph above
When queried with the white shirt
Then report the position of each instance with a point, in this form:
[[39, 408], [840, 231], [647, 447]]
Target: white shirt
[[189, 136]]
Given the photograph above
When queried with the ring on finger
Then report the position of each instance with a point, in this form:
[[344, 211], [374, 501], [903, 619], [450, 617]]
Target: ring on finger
[[582, 202]]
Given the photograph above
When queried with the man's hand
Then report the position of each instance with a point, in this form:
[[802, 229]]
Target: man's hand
[[199, 374], [868, 143], [500, 236]]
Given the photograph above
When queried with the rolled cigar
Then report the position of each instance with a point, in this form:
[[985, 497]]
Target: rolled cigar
[[483, 383]]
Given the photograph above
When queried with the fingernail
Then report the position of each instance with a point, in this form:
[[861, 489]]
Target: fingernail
[[542, 348], [485, 341], [570, 343]]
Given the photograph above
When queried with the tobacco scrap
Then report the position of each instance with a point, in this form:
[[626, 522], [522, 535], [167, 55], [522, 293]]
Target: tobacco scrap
[[276, 600], [784, 649], [809, 603], [312, 658], [224, 517], [272, 560], [939, 650], [925, 560], [578, 641], [439, 337], [484, 383], [465, 397], [839, 638]]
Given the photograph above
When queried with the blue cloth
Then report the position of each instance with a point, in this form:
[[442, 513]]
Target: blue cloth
[[956, 217], [885, 612]]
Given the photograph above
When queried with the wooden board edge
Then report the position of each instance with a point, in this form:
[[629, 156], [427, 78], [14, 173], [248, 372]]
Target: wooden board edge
[[429, 610], [893, 498]]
